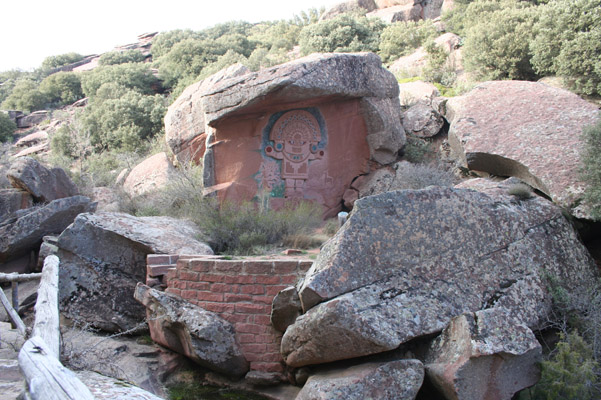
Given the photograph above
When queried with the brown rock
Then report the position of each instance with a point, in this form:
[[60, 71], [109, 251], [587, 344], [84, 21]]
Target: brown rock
[[40, 148], [103, 256], [12, 200], [29, 120], [107, 199], [399, 13], [394, 380], [285, 308], [397, 271], [523, 129], [412, 64], [185, 328], [432, 9], [412, 92], [488, 354], [44, 184], [422, 120], [150, 175], [348, 6], [32, 139]]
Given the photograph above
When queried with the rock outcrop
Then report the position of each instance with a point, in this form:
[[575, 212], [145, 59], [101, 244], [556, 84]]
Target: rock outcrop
[[187, 329], [422, 120], [285, 308], [150, 175], [394, 380], [24, 232], [103, 256], [524, 129], [406, 263], [349, 6], [488, 354], [12, 200], [44, 184]]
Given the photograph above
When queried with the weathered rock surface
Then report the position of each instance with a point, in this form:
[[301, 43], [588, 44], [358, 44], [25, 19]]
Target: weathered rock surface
[[107, 199], [348, 6], [285, 308], [12, 200], [32, 139], [150, 175], [422, 120], [407, 12], [318, 76], [523, 129], [412, 92], [199, 334], [407, 262], [106, 388], [184, 121], [29, 120], [103, 256], [128, 359], [44, 184], [20, 235], [394, 380], [488, 354]]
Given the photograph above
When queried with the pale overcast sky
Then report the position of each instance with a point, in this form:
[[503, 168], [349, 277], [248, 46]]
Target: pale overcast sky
[[31, 30]]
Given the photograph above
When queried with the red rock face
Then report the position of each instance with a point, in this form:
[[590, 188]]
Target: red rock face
[[292, 152]]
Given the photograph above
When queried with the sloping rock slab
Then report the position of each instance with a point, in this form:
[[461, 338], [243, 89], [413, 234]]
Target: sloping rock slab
[[407, 262], [107, 388], [394, 380], [187, 329], [484, 355], [44, 184], [18, 236], [12, 200], [318, 76], [103, 256], [524, 129]]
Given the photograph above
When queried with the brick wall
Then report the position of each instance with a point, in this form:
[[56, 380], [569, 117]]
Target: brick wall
[[240, 291]]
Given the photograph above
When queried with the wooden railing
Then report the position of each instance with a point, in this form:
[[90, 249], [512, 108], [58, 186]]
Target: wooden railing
[[46, 378], [11, 310]]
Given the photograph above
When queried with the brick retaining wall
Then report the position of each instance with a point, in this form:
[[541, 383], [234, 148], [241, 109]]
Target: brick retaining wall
[[240, 291]]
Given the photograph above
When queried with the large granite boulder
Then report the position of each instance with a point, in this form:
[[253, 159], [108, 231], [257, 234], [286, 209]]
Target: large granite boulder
[[524, 129], [349, 6], [319, 76], [184, 121], [185, 328], [24, 232], [488, 354], [393, 380], [422, 120], [12, 200], [44, 184], [407, 262], [103, 256], [407, 12], [150, 175]]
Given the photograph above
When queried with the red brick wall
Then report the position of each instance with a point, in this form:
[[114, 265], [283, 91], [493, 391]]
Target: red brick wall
[[240, 291]]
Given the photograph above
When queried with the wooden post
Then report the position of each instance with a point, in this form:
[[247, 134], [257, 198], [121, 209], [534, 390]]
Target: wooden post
[[47, 378], [46, 323], [12, 313]]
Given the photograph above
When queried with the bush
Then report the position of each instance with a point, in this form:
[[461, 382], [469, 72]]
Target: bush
[[591, 168], [401, 38], [61, 89], [133, 76], [26, 96], [7, 128], [438, 68], [567, 42], [120, 118], [53, 62], [569, 373], [8, 79], [121, 57], [497, 46], [343, 33]]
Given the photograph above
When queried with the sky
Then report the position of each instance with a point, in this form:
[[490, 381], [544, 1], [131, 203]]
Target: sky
[[33, 30]]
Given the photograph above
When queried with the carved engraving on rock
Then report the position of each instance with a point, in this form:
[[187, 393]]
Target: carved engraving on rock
[[296, 136]]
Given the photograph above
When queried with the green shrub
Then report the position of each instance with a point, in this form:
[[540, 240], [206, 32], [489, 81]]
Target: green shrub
[[570, 373], [121, 57], [343, 33], [401, 38], [224, 61], [497, 45], [134, 76], [53, 62], [8, 80], [164, 41], [120, 118], [438, 69], [591, 168], [61, 89], [567, 42], [26, 96], [416, 149], [7, 128]]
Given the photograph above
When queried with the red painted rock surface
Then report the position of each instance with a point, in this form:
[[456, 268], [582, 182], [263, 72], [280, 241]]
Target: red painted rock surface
[[523, 129]]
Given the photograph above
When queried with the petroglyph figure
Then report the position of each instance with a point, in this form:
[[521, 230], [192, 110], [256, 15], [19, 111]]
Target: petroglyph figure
[[295, 135]]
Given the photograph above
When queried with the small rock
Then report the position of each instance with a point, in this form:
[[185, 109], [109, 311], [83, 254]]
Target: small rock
[[285, 308], [261, 378]]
